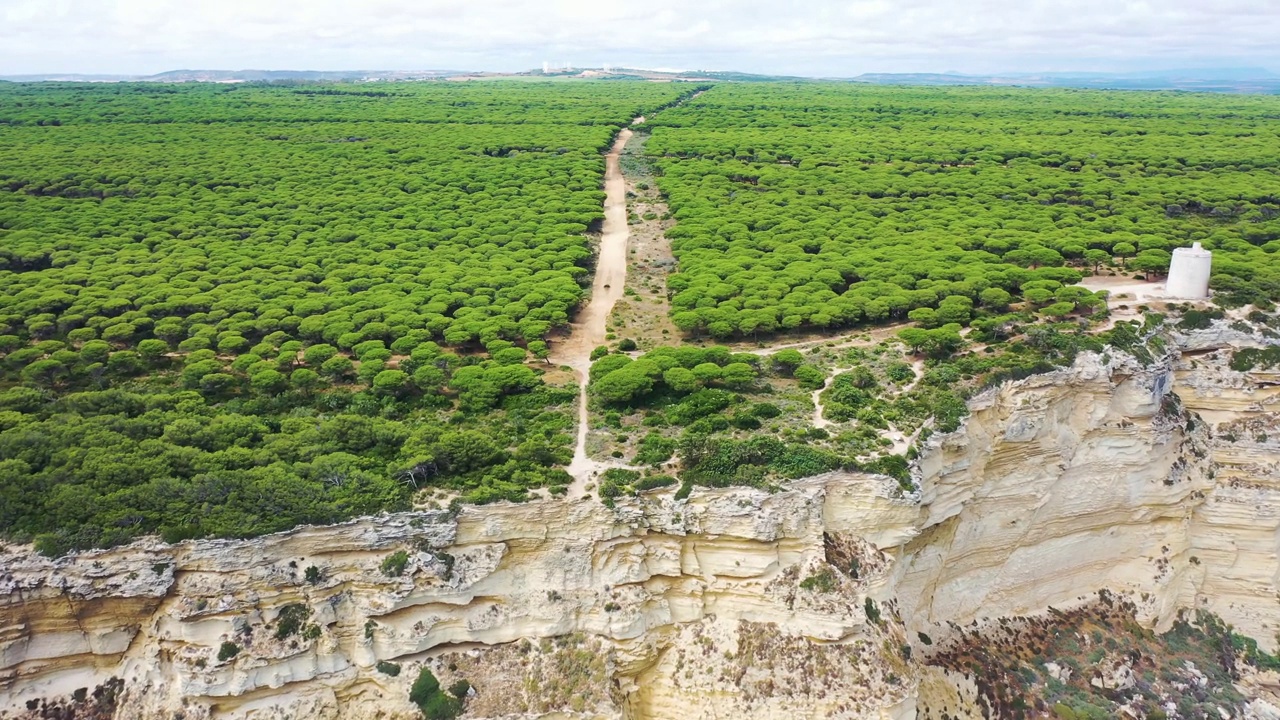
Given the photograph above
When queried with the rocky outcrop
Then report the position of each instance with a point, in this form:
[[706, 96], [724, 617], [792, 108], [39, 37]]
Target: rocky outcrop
[[1157, 483], [1235, 544]]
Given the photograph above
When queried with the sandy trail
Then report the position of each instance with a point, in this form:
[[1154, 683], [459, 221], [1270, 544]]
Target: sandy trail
[[863, 338], [917, 367], [588, 330]]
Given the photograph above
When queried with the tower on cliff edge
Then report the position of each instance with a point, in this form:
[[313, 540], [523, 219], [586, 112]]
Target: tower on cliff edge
[[1189, 273]]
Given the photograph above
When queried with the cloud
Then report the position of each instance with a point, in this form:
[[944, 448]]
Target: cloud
[[797, 36]]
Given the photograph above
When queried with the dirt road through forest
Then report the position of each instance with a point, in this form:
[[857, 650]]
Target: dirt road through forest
[[589, 328]]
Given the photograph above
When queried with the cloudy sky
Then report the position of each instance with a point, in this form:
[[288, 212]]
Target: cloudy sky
[[810, 37]]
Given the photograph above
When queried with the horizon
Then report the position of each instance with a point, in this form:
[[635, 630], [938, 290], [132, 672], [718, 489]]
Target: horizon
[[1258, 72], [822, 39]]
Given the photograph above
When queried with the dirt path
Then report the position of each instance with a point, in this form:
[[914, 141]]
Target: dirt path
[[917, 367], [643, 315], [863, 338], [589, 329]]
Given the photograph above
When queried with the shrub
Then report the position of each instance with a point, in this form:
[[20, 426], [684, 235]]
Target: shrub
[[655, 482], [394, 564], [700, 404], [313, 574], [434, 703], [388, 668], [900, 372], [1246, 359], [227, 651], [460, 689], [822, 581], [872, 610], [52, 544], [765, 411], [290, 620], [1199, 319], [616, 482], [424, 687], [810, 377], [655, 449], [446, 562]]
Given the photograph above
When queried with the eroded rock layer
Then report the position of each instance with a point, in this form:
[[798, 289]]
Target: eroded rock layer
[[1157, 483]]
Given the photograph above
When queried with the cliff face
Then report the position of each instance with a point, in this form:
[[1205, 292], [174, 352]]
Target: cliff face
[[1236, 537], [812, 602]]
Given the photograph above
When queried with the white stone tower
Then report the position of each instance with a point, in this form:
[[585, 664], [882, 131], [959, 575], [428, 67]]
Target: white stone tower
[[1189, 273]]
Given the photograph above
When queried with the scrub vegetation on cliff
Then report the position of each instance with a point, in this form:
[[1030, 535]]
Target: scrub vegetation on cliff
[[744, 418], [1096, 662]]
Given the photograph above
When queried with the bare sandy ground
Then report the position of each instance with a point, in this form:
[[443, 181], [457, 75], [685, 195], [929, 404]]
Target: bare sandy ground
[[1125, 290], [1125, 296], [644, 313], [589, 328]]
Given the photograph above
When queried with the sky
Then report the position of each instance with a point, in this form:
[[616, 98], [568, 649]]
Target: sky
[[838, 38]]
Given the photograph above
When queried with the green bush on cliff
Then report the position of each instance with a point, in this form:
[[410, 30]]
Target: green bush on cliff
[[394, 564], [291, 619], [822, 581], [1246, 359], [227, 651], [436, 704]]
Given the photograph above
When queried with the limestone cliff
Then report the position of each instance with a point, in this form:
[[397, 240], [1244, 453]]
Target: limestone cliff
[[1158, 483]]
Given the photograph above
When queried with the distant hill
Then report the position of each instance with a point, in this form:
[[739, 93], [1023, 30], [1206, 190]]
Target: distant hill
[[658, 74], [731, 76], [1225, 80]]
